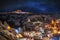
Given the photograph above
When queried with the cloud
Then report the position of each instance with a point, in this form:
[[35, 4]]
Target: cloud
[[32, 6]]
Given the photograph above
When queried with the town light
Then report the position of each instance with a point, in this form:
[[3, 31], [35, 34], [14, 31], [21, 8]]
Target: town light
[[52, 21], [8, 27], [58, 32]]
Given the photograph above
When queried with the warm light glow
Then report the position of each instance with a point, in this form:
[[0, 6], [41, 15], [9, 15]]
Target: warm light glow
[[55, 31], [8, 27], [18, 11], [54, 28], [52, 22], [58, 32], [17, 36], [48, 35], [57, 21], [20, 35]]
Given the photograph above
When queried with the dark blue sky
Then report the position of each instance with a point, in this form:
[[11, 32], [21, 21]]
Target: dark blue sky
[[38, 6]]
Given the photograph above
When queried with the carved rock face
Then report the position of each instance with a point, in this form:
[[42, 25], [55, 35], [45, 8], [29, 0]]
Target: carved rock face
[[6, 35], [31, 21]]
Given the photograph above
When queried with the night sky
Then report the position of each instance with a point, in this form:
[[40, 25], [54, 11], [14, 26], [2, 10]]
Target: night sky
[[37, 6]]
